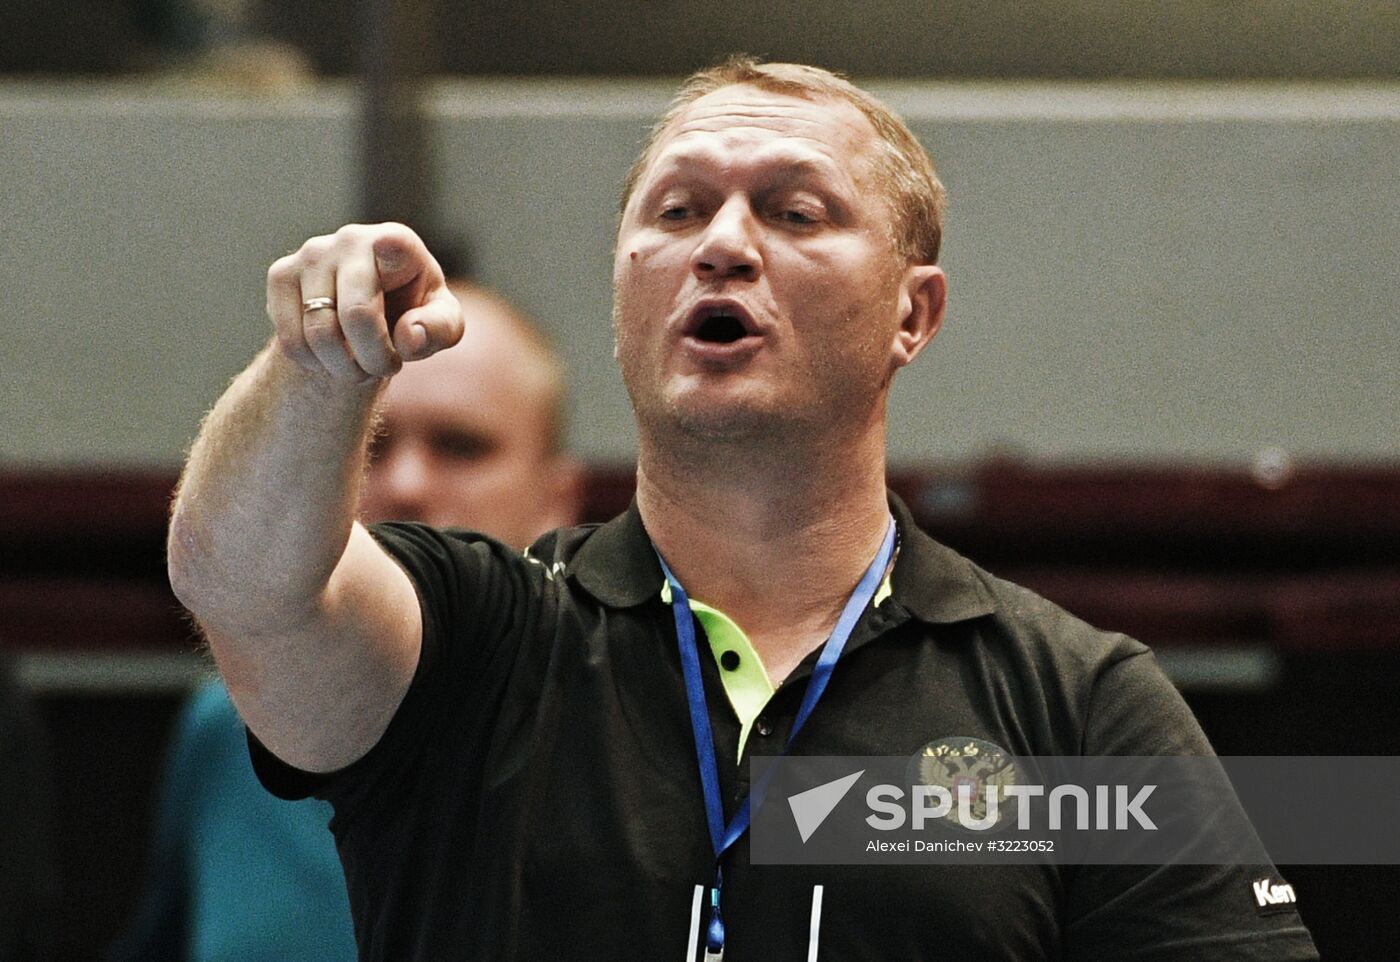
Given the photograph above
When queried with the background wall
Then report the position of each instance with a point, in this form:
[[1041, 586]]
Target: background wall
[[1143, 271], [969, 38]]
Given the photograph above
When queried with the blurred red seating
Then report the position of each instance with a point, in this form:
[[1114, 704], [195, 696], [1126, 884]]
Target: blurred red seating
[[1305, 560]]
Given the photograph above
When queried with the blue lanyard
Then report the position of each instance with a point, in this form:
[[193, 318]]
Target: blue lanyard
[[723, 836]]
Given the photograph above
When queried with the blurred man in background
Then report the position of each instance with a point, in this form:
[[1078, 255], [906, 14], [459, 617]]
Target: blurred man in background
[[473, 437]]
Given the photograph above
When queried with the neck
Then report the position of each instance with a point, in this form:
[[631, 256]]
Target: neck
[[778, 542]]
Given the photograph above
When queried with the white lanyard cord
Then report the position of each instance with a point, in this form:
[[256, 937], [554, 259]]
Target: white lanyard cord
[[691, 946], [813, 938]]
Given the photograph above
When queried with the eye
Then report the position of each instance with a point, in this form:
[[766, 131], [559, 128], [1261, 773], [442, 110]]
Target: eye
[[796, 217], [461, 445], [675, 213]]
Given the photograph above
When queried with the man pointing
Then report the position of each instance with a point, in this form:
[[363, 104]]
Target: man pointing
[[546, 756]]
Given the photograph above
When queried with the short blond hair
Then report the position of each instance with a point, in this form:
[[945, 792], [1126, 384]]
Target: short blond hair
[[903, 168]]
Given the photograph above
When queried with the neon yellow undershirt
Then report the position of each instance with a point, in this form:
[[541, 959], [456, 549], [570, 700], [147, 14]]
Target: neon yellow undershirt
[[747, 685]]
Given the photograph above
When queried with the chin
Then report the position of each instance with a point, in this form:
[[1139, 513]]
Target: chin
[[717, 420]]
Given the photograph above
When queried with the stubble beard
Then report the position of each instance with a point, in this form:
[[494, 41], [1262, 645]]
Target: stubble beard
[[674, 421], [758, 427]]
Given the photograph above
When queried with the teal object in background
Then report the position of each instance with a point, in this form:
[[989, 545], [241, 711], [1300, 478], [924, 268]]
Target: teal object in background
[[236, 875]]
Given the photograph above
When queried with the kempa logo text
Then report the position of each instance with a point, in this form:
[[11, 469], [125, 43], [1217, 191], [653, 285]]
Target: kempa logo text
[[1095, 807], [1267, 892]]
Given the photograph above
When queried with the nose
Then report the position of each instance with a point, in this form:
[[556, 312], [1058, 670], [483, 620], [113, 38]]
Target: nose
[[728, 246], [401, 475]]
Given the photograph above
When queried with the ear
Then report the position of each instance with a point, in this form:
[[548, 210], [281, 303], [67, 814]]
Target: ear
[[922, 296]]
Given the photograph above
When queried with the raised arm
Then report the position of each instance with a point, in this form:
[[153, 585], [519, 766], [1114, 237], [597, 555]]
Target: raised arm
[[316, 631]]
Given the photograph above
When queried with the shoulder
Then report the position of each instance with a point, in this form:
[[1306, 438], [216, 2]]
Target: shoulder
[[1008, 623], [1110, 684], [459, 573], [1052, 636], [554, 551], [414, 545], [1067, 686], [1003, 622]]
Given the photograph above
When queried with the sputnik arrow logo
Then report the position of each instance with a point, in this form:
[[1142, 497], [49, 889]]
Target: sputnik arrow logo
[[810, 808]]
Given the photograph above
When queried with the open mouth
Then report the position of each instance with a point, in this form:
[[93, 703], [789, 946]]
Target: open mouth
[[720, 323], [720, 329]]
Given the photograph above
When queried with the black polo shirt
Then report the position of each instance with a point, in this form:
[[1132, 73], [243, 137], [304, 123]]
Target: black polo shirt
[[536, 796]]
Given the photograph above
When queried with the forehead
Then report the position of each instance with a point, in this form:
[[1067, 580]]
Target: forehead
[[742, 122], [491, 380]]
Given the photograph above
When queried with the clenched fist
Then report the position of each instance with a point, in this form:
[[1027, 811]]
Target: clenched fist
[[358, 303]]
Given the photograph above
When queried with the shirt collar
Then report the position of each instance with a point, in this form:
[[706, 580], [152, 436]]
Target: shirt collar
[[932, 581], [617, 566]]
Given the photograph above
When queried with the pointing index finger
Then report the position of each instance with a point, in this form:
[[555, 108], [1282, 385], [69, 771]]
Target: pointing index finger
[[407, 271]]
